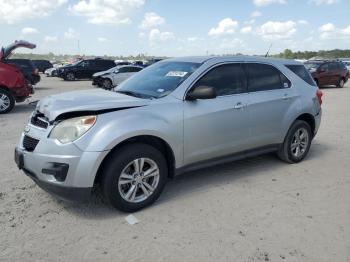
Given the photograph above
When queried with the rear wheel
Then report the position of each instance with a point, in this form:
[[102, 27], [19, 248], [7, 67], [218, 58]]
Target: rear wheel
[[316, 81], [7, 101], [134, 177], [297, 142], [341, 83]]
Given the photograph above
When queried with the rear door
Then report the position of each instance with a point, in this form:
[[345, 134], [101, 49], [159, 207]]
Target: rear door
[[324, 76], [220, 126], [271, 96], [334, 73]]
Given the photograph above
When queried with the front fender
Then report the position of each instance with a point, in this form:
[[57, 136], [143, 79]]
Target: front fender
[[115, 127]]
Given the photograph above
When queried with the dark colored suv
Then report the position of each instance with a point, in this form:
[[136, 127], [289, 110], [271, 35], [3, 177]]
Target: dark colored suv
[[329, 73], [42, 65], [84, 69], [28, 68]]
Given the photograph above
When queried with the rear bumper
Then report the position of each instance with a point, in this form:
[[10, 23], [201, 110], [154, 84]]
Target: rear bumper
[[317, 121]]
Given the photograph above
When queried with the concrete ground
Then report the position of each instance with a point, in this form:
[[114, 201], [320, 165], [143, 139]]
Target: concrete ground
[[259, 209]]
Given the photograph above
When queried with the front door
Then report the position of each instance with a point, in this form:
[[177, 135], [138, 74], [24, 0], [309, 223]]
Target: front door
[[220, 126]]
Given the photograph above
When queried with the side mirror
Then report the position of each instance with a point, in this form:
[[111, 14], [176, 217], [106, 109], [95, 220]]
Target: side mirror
[[321, 70], [201, 92]]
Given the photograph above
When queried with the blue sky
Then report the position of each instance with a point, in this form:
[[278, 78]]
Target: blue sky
[[176, 27]]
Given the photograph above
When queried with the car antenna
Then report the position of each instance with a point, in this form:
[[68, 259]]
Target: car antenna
[[268, 51]]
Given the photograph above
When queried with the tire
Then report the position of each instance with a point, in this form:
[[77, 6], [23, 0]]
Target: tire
[[288, 150], [316, 81], [341, 83], [107, 84], [69, 76], [7, 101], [116, 188]]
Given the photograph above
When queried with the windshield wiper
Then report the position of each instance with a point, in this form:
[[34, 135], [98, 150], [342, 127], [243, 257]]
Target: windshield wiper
[[134, 94]]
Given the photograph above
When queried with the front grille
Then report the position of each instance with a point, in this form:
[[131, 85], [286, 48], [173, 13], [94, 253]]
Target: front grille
[[30, 143], [39, 121]]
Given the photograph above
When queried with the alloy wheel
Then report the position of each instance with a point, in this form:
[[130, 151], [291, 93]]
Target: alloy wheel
[[138, 180], [4, 102], [70, 76], [107, 84], [300, 142]]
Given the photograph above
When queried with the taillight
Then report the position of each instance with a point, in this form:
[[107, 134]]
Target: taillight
[[319, 95]]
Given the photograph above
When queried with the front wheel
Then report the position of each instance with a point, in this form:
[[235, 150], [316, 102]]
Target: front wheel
[[134, 177], [107, 84], [7, 101], [70, 76], [297, 142]]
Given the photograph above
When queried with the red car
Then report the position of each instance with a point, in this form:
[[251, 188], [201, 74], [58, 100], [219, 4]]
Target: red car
[[13, 85], [328, 73]]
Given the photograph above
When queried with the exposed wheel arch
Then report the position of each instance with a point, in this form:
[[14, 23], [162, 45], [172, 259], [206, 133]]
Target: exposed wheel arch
[[308, 118], [154, 141]]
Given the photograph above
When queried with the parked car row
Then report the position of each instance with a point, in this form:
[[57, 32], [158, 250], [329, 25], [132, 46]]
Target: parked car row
[[328, 72]]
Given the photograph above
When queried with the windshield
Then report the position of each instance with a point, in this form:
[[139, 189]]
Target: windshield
[[158, 80]]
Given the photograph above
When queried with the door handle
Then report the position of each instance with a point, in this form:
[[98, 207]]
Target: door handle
[[239, 105]]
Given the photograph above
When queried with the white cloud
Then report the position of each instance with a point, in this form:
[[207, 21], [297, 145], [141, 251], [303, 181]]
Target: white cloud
[[71, 34], [192, 39], [231, 44], [50, 39], [324, 2], [330, 31], [226, 26], [14, 11], [102, 39], [29, 31], [156, 36], [256, 14], [106, 12], [303, 22], [152, 20], [272, 30], [268, 2], [246, 30]]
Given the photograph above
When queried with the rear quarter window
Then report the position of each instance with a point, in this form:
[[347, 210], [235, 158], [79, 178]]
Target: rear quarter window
[[302, 72]]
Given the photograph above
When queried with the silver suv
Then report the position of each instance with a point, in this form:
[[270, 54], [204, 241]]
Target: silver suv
[[175, 116]]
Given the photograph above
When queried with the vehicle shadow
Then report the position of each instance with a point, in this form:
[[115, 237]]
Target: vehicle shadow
[[26, 107], [193, 182]]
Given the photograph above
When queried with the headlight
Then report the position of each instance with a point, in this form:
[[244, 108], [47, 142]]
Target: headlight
[[71, 129]]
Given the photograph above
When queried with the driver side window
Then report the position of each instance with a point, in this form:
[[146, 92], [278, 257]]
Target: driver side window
[[226, 79]]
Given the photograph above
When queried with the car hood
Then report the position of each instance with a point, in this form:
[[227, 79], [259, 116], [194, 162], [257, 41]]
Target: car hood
[[7, 51], [86, 102], [100, 73]]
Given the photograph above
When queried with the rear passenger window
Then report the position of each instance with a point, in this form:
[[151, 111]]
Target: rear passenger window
[[333, 66], [302, 72], [226, 79], [262, 77]]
